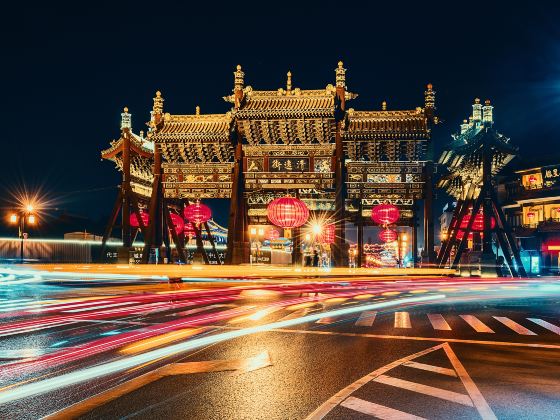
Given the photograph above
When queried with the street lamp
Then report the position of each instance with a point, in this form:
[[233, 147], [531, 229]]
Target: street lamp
[[22, 217]]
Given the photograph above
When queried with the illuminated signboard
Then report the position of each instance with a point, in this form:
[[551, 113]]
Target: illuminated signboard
[[551, 176]]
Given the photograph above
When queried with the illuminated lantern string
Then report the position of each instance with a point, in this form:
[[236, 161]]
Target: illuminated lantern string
[[177, 222], [134, 222], [327, 234], [197, 213], [388, 235], [385, 214], [287, 212]]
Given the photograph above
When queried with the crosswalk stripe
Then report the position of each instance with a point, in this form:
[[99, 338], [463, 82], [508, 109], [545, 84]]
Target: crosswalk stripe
[[477, 324], [545, 324], [438, 322], [425, 389], [366, 319], [402, 320], [519, 329], [431, 368], [376, 410]]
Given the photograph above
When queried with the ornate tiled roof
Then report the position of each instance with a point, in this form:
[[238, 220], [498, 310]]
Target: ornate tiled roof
[[365, 125], [194, 128]]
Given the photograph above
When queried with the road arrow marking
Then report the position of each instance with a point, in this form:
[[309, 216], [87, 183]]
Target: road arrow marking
[[376, 410], [240, 365], [473, 398]]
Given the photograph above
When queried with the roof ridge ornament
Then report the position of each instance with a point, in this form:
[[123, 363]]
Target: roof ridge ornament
[[126, 120], [340, 72], [289, 81], [197, 110], [238, 85]]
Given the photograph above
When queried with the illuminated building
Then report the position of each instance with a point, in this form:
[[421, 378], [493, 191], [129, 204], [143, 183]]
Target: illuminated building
[[310, 144], [532, 207]]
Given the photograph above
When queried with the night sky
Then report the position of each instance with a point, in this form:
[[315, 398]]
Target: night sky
[[69, 70]]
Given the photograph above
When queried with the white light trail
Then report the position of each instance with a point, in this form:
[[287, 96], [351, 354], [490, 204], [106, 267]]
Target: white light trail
[[83, 375]]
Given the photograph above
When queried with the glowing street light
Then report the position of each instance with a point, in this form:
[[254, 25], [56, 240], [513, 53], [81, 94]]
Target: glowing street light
[[21, 217]]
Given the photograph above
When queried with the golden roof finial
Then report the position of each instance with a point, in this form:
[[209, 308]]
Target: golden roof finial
[[340, 72], [476, 100], [158, 104], [289, 81], [384, 106], [125, 119], [239, 78], [487, 102], [197, 110]]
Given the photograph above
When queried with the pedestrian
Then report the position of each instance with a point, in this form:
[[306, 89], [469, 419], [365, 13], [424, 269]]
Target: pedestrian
[[315, 258]]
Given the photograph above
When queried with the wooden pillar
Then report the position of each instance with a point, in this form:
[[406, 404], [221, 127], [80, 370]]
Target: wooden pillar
[[414, 234], [360, 231], [237, 247], [428, 213], [126, 190], [339, 251]]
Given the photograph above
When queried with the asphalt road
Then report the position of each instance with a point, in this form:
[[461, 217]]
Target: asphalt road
[[429, 348]]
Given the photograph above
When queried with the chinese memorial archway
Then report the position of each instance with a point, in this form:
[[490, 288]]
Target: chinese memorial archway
[[287, 212]]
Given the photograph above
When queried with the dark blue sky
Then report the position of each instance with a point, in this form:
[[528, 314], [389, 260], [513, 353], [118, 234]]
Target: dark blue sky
[[68, 70]]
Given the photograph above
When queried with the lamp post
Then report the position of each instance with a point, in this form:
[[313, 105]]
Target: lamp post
[[21, 217]]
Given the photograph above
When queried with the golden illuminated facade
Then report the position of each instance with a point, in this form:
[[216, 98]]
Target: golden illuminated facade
[[308, 143]]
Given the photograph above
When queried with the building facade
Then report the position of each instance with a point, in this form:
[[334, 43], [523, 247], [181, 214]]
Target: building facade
[[531, 200]]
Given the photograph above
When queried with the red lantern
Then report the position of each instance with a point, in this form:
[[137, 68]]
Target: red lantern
[[177, 222], [327, 235], [272, 234], [531, 215], [461, 234], [388, 235], [478, 223], [134, 222], [532, 179], [385, 214], [287, 212], [197, 213]]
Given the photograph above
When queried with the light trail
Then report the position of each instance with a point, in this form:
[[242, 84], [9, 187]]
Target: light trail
[[83, 375]]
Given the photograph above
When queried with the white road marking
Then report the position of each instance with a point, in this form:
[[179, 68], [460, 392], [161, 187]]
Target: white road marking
[[431, 368], [477, 324], [376, 410], [438, 322], [519, 329], [425, 389], [474, 393], [545, 324], [344, 393], [366, 319], [402, 320]]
